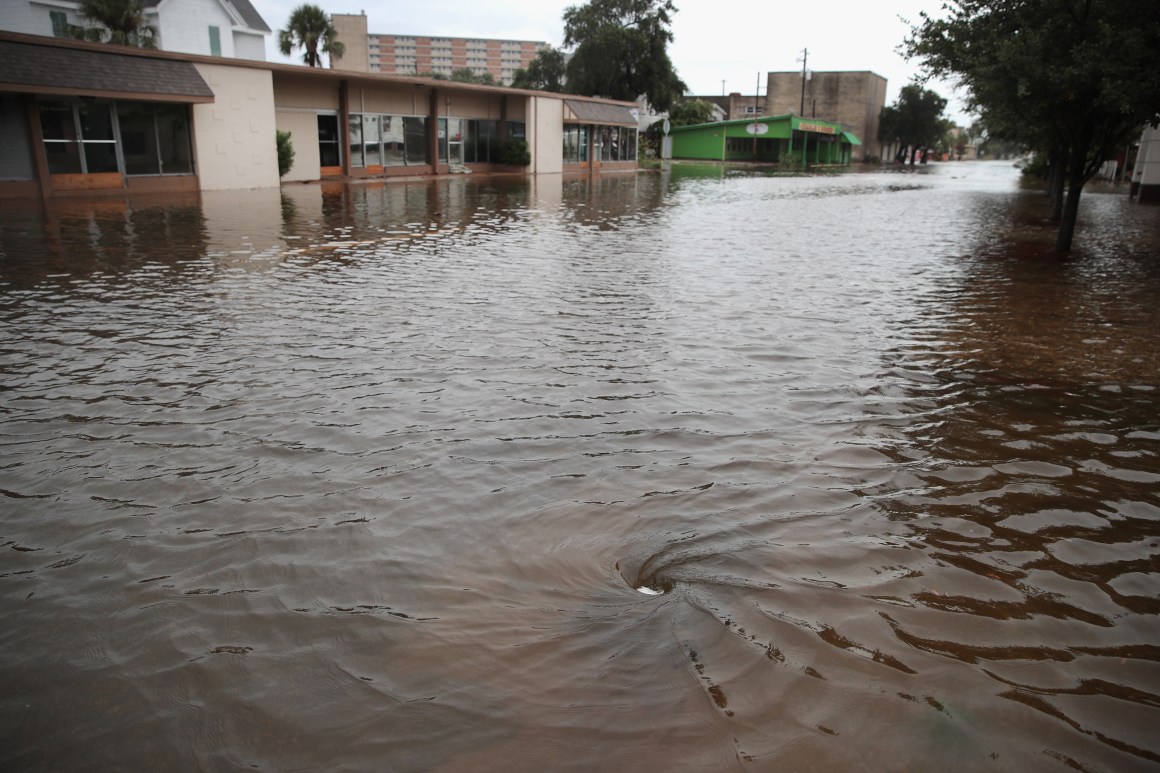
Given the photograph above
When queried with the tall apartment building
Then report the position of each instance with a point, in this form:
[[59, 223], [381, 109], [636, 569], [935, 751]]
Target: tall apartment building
[[421, 54]]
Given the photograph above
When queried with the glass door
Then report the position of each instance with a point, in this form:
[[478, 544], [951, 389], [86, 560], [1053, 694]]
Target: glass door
[[455, 141]]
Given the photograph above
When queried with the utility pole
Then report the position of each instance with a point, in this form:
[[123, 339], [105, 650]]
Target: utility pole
[[805, 57], [756, 97], [722, 87]]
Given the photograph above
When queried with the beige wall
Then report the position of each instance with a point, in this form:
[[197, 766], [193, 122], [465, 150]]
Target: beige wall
[[303, 128], [308, 93], [467, 104], [546, 135], [854, 99], [234, 137], [517, 108], [352, 33], [398, 101]]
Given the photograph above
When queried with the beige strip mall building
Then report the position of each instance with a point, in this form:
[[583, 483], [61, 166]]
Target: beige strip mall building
[[83, 119]]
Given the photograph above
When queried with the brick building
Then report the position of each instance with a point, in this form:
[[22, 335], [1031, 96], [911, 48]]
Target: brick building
[[854, 99], [422, 54]]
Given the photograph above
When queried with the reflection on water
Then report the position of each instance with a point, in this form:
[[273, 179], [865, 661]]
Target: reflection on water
[[676, 471]]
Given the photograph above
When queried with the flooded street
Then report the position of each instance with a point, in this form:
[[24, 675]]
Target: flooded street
[[681, 471]]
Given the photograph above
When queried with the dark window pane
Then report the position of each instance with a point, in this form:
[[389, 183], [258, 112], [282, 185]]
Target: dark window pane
[[63, 157], [470, 132], [415, 137], [328, 128], [96, 121], [175, 142], [56, 121], [138, 138], [100, 157], [328, 141]]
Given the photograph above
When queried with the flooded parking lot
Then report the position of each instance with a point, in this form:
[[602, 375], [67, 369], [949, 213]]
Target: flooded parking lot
[[686, 470]]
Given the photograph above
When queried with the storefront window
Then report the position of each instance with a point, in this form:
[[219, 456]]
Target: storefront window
[[328, 154], [479, 137], [371, 152], [61, 143], [575, 144], [138, 138], [415, 140], [356, 141], [154, 138], [174, 143]]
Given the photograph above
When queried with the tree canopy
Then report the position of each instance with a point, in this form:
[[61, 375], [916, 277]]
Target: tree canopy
[[1072, 78], [915, 121], [468, 75], [546, 72], [115, 21], [689, 112], [620, 51], [310, 29]]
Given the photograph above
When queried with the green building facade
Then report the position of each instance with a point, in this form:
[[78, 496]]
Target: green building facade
[[786, 139]]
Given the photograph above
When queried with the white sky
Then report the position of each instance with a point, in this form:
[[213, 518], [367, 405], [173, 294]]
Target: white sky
[[713, 41]]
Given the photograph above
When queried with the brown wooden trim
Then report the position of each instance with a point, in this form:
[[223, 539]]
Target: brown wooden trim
[[136, 96], [36, 137], [101, 181], [433, 129], [19, 189], [330, 171], [162, 184], [344, 124]]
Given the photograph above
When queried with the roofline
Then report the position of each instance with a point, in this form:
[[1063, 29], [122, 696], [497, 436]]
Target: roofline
[[827, 72], [279, 68], [761, 119]]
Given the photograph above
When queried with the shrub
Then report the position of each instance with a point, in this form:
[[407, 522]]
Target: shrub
[[513, 151], [285, 153]]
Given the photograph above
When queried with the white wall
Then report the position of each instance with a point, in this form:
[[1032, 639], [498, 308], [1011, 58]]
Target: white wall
[[234, 137], [249, 45], [184, 26], [1147, 171], [25, 17], [546, 134]]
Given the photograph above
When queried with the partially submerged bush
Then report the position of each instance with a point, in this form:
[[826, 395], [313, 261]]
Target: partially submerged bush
[[285, 153], [513, 151]]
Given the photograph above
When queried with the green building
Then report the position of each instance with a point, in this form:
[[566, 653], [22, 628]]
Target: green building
[[786, 139]]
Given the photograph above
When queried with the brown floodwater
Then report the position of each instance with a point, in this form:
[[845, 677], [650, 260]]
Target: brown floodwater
[[688, 470]]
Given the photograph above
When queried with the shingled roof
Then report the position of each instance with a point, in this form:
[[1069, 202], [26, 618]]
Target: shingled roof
[[57, 70]]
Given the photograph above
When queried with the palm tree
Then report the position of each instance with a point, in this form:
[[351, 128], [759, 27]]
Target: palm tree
[[310, 28], [123, 21]]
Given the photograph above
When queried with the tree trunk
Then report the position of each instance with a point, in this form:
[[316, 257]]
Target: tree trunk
[[1075, 181], [1056, 180]]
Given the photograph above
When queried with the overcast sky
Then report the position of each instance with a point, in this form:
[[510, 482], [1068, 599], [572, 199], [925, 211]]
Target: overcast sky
[[714, 41]]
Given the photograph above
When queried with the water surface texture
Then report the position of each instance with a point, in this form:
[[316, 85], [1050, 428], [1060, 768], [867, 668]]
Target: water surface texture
[[680, 471]]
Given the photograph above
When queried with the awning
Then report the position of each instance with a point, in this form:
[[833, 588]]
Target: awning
[[850, 138], [48, 69], [598, 112]]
